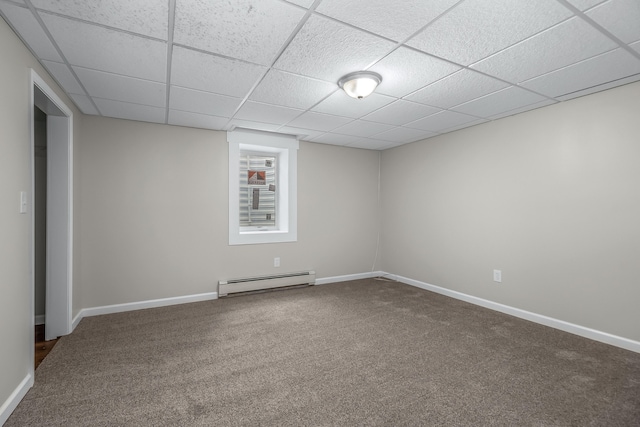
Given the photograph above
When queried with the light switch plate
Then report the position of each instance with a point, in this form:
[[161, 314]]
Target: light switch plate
[[23, 202]]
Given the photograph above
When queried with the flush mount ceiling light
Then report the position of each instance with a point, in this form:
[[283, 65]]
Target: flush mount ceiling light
[[360, 84]]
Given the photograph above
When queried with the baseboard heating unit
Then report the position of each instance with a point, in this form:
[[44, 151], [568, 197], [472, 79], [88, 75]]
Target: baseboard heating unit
[[248, 284]]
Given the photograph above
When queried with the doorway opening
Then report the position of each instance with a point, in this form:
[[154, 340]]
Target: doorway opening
[[51, 213], [42, 346]]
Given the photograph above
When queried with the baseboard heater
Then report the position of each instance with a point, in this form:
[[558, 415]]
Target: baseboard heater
[[248, 284]]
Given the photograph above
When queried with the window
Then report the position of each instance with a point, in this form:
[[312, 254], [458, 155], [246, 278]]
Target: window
[[262, 187]]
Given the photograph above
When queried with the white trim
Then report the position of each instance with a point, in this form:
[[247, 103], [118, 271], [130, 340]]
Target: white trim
[[61, 324], [78, 317], [572, 328], [286, 148], [32, 230], [14, 399], [39, 319], [347, 277], [140, 305]]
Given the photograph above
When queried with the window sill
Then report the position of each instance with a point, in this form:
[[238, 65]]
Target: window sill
[[260, 237]]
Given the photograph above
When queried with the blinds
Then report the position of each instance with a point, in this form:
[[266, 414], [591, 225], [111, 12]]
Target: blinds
[[258, 190]]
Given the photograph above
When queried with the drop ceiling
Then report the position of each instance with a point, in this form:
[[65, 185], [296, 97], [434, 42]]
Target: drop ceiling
[[274, 65]]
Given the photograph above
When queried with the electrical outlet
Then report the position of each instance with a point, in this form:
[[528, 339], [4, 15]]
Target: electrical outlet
[[276, 262], [497, 276]]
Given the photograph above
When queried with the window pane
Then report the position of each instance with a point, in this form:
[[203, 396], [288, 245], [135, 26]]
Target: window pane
[[258, 191]]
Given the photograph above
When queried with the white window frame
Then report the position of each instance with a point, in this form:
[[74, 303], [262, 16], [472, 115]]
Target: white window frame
[[285, 147]]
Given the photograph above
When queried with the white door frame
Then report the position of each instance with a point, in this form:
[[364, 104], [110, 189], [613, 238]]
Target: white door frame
[[59, 274]]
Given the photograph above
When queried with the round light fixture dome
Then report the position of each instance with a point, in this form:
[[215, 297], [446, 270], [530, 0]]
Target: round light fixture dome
[[360, 84]]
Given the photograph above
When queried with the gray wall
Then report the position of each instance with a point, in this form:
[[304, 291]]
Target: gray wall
[[154, 213], [16, 294], [550, 197]]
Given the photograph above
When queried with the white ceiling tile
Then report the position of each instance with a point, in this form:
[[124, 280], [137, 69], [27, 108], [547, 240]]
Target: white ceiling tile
[[457, 88], [125, 110], [150, 18], [84, 103], [620, 17], [30, 30], [372, 144], [266, 113], [249, 124], [441, 121], [585, 4], [252, 30], [403, 134], [523, 109], [328, 50], [306, 134], [291, 90], [121, 88], [64, 77], [595, 71], [196, 101], [318, 121], [538, 45], [395, 20], [210, 73], [406, 70], [303, 3], [196, 120], [363, 128], [400, 112], [498, 102], [572, 41], [476, 29], [99, 48], [335, 139], [341, 104]]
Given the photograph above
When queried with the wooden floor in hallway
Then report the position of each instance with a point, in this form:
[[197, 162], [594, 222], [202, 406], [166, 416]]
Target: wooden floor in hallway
[[42, 347]]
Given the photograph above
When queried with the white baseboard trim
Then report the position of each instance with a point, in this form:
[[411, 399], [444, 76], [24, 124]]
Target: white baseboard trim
[[345, 278], [140, 305], [39, 320], [76, 320], [119, 308], [572, 328], [12, 402]]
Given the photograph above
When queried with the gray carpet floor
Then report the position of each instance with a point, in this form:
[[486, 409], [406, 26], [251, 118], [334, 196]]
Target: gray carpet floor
[[364, 352]]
